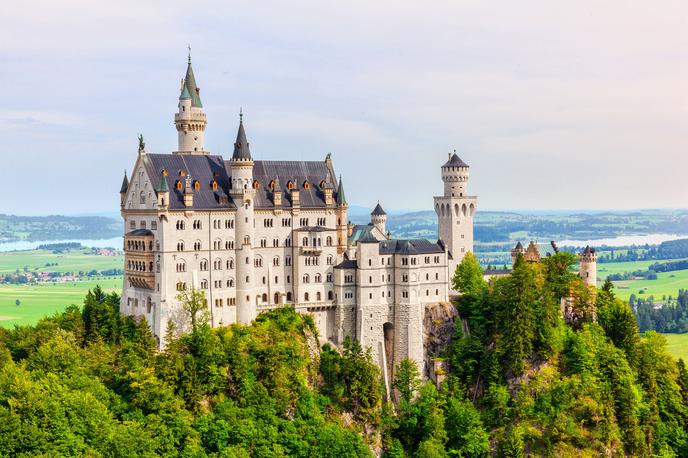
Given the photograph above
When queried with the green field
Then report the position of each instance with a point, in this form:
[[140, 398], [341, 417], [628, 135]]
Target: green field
[[667, 283], [37, 301], [677, 344], [69, 261]]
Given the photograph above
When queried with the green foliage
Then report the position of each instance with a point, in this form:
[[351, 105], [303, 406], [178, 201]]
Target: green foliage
[[406, 379], [195, 306], [468, 278]]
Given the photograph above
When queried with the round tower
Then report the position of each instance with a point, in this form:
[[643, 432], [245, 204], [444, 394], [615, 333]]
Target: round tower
[[588, 266], [190, 120], [379, 219], [242, 192], [455, 211], [518, 249], [455, 173]]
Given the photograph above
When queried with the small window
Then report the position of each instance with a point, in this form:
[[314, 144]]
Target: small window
[[182, 173], [306, 185], [214, 185], [178, 185], [197, 185], [256, 185], [290, 185]]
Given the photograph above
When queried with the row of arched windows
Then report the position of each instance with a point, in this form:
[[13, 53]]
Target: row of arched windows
[[139, 266]]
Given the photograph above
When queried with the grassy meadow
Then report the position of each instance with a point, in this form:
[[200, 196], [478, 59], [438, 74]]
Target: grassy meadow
[[39, 300], [677, 344]]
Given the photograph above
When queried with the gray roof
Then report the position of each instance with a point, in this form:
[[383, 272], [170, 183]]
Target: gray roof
[[455, 161], [588, 250], [410, 246], [360, 231], [378, 211], [140, 232], [519, 246], [347, 264], [241, 150], [204, 168], [125, 184], [298, 172]]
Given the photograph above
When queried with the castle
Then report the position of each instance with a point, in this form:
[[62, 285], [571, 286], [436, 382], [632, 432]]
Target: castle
[[254, 235]]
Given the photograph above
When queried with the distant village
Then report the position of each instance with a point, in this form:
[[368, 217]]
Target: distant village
[[47, 274]]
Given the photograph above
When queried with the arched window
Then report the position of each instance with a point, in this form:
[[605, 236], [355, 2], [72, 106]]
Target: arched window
[[330, 295], [265, 297], [290, 185], [230, 264], [197, 185], [305, 241], [318, 296], [318, 278], [143, 197], [256, 185], [178, 184], [329, 241], [306, 297], [306, 185], [306, 278], [276, 298], [214, 185], [289, 296], [180, 246]]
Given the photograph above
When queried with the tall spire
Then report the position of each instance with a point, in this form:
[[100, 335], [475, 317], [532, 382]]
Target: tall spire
[[341, 198], [162, 187], [189, 89], [241, 150]]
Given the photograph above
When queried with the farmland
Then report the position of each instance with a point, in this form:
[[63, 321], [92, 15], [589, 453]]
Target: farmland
[[677, 344]]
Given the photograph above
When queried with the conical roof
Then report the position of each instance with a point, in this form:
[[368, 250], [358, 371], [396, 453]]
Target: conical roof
[[341, 198], [190, 87], [125, 184], [519, 246], [162, 187], [455, 161], [378, 211], [241, 150]]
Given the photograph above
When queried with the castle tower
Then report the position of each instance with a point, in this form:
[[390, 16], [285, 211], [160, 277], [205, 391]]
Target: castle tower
[[190, 119], [518, 249], [455, 211], [379, 219], [241, 167], [342, 227], [123, 191], [588, 266]]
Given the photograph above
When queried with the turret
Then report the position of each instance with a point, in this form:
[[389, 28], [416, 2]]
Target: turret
[[123, 190], [163, 192], [455, 174], [242, 192], [190, 120], [342, 208], [588, 266], [188, 192], [518, 249], [379, 218]]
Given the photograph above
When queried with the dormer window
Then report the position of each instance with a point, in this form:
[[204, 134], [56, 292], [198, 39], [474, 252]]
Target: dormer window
[[197, 185], [306, 185], [256, 185], [290, 185], [322, 184], [178, 184], [164, 172], [182, 173], [272, 185], [214, 185]]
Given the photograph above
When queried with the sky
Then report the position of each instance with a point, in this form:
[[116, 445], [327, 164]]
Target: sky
[[554, 105]]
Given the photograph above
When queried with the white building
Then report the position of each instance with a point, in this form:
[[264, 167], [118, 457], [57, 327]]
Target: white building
[[255, 235]]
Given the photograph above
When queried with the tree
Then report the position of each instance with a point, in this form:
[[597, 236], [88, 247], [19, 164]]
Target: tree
[[468, 277], [465, 431], [406, 379], [518, 299], [195, 305], [17, 302]]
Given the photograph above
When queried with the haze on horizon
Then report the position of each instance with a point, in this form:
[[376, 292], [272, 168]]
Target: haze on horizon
[[554, 105]]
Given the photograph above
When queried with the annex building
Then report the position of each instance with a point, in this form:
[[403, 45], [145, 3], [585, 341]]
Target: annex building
[[254, 235]]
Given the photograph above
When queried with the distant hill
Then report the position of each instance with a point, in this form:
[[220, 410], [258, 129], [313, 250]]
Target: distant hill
[[55, 227]]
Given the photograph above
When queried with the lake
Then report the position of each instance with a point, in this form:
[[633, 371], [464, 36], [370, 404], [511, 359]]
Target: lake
[[623, 240], [115, 242]]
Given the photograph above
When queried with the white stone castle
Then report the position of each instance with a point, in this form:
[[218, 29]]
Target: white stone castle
[[255, 235]]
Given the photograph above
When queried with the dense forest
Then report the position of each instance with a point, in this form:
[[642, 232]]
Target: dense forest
[[524, 380], [672, 249], [672, 316], [56, 227]]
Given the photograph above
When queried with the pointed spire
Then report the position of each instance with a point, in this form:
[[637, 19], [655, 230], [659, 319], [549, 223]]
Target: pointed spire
[[341, 198], [378, 211], [162, 187], [241, 150], [190, 86], [125, 184]]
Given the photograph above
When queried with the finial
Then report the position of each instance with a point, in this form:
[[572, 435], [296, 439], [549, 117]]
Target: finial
[[241, 115], [189, 46]]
